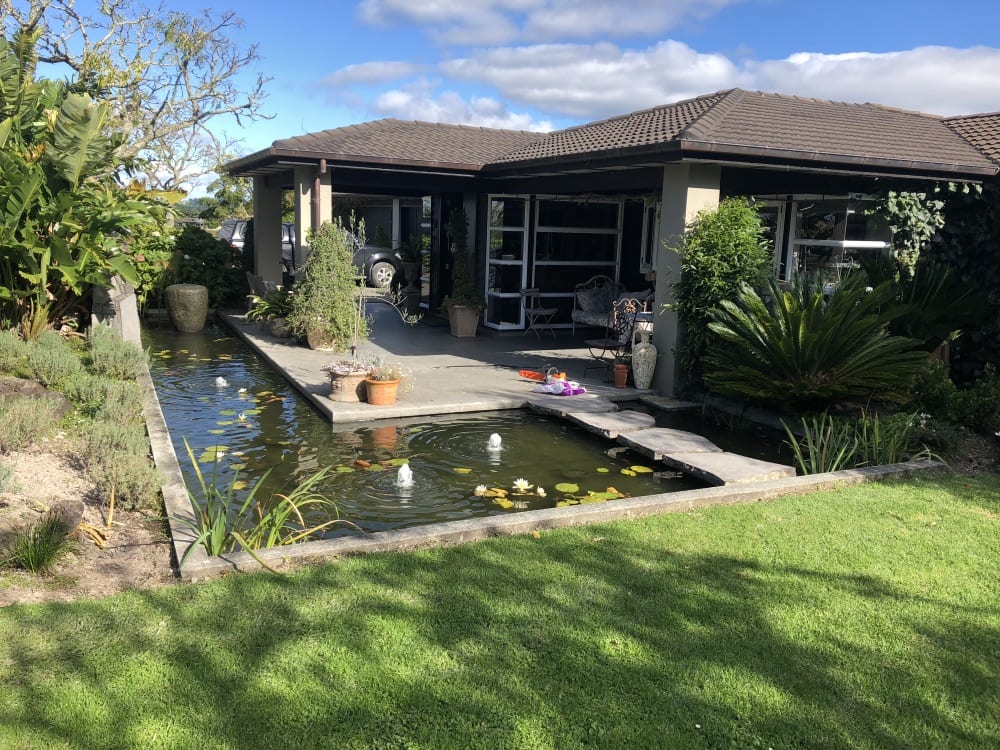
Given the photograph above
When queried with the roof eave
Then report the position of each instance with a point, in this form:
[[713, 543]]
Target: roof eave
[[247, 164]]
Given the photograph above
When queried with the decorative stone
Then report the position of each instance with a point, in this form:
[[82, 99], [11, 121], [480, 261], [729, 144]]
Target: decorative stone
[[188, 306]]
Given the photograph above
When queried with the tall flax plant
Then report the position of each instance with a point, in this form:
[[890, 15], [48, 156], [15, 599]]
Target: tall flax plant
[[223, 526], [803, 351], [826, 444]]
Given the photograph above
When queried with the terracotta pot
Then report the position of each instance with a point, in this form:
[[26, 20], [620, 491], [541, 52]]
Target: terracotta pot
[[621, 375], [348, 388], [381, 392]]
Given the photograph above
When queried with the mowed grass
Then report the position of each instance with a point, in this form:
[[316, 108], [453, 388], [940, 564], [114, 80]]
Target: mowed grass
[[861, 618]]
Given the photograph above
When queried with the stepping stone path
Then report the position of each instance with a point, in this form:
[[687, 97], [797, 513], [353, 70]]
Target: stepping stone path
[[665, 403], [680, 450]]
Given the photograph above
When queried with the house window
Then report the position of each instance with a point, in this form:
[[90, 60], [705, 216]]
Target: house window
[[506, 268], [650, 235]]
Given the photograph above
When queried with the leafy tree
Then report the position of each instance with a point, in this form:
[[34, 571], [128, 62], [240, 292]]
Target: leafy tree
[[802, 351], [61, 224], [168, 75], [722, 249]]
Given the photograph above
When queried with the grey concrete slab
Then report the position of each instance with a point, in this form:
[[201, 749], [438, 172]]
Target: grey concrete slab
[[614, 424], [561, 406], [450, 375], [726, 469], [659, 441], [667, 404]]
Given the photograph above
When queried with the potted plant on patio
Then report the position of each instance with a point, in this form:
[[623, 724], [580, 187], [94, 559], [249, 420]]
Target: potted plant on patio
[[272, 309], [465, 302], [325, 306], [385, 380]]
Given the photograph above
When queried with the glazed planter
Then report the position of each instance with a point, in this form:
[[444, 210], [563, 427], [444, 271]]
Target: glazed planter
[[187, 305], [411, 270], [381, 392], [643, 360], [347, 387], [621, 375], [464, 320], [321, 341]]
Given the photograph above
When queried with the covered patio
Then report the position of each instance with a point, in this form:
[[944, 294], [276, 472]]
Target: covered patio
[[549, 211]]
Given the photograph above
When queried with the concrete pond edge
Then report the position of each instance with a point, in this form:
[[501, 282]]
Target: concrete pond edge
[[198, 565]]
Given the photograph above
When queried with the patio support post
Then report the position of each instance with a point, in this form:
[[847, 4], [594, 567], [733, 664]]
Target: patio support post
[[687, 189], [267, 230], [313, 203]]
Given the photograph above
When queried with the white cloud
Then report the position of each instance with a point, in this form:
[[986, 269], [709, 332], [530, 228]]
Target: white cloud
[[938, 80], [478, 22], [422, 102], [589, 81], [371, 72]]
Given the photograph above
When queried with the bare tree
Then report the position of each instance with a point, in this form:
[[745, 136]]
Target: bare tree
[[167, 74]]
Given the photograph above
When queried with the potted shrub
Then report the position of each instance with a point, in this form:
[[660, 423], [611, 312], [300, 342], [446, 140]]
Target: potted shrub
[[465, 302], [385, 380], [326, 308], [272, 308]]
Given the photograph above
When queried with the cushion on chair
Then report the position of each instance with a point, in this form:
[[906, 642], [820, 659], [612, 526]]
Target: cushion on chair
[[599, 319], [592, 300]]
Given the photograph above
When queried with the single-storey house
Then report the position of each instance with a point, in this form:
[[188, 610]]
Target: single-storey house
[[552, 210]]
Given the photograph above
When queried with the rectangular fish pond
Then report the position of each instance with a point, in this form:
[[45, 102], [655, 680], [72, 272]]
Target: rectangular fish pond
[[242, 421]]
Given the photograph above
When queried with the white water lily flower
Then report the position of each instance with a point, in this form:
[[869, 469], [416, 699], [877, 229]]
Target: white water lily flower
[[521, 485], [540, 491], [242, 390], [242, 417], [480, 490]]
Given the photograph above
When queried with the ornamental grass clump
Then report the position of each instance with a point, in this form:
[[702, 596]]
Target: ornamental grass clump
[[38, 546], [801, 351], [224, 524]]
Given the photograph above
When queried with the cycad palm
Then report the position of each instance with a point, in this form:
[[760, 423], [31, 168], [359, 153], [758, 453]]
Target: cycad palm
[[802, 350]]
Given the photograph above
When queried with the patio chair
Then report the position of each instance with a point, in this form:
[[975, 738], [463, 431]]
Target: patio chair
[[617, 336], [536, 315]]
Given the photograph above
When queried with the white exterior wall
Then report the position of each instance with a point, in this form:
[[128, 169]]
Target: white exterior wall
[[687, 189]]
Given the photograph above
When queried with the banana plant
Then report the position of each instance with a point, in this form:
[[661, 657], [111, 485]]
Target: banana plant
[[61, 228]]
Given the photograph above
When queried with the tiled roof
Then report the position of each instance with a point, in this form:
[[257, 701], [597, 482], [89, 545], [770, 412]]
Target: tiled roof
[[765, 125], [982, 131], [410, 142]]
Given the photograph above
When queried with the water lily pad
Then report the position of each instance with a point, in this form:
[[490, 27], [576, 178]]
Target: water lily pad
[[603, 470], [504, 502], [215, 432], [628, 472], [225, 356], [262, 394], [251, 412], [495, 492], [208, 457], [566, 503], [568, 487], [227, 413], [398, 461], [375, 467], [204, 399], [461, 470], [237, 467], [239, 484], [641, 469], [344, 470], [225, 422]]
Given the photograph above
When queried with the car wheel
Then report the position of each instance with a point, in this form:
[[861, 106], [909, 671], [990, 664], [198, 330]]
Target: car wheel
[[381, 274]]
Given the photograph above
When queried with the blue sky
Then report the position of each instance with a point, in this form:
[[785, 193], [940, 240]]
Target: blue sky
[[548, 64]]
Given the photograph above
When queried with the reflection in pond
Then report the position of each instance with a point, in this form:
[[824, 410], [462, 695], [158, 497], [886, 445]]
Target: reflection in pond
[[237, 414]]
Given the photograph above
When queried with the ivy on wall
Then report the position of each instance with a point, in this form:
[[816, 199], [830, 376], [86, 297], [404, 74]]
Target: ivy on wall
[[969, 241]]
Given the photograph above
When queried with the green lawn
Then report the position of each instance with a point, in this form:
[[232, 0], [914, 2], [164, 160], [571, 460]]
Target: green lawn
[[866, 617]]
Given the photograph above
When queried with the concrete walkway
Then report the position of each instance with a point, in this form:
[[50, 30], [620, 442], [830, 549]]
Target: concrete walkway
[[450, 375]]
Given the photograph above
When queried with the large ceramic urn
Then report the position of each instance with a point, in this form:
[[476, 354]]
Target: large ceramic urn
[[643, 359], [187, 305]]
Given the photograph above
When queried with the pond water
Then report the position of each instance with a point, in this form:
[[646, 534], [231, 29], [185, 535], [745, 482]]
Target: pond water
[[256, 421]]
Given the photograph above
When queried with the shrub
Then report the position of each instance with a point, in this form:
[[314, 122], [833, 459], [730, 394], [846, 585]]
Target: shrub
[[133, 479], [978, 407], [50, 359], [933, 391], [38, 546], [107, 438], [722, 249], [203, 259], [324, 301], [13, 353], [87, 391], [122, 402], [804, 352], [110, 355], [24, 421]]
